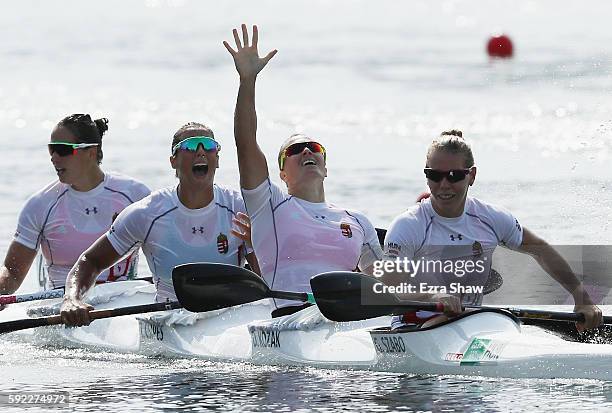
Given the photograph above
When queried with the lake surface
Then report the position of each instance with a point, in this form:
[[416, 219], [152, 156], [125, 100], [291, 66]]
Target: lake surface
[[374, 82]]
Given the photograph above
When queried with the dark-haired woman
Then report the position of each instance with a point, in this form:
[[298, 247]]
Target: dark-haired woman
[[461, 233], [188, 222], [68, 215]]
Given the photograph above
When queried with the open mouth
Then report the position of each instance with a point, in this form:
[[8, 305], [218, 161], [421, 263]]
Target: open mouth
[[445, 196], [200, 169], [308, 162]]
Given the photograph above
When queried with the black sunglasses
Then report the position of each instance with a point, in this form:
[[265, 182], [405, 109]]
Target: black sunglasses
[[297, 148], [68, 148], [453, 176]]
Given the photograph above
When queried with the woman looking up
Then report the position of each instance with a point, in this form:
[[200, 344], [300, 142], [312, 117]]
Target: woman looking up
[[296, 233]]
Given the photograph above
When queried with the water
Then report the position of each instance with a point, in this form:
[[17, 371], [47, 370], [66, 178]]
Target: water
[[99, 381], [375, 81]]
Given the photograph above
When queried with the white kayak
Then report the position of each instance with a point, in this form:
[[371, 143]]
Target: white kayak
[[483, 343], [486, 342], [308, 338], [118, 333], [489, 343], [214, 335]]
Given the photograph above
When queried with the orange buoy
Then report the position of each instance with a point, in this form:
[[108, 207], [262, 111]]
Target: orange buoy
[[500, 46]]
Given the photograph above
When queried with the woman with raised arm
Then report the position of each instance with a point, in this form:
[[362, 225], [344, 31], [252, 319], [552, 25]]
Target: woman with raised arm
[[184, 223], [462, 232], [296, 233], [68, 215]]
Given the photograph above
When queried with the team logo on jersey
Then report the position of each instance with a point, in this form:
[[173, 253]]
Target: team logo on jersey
[[477, 249], [393, 249], [346, 230], [222, 243], [454, 237], [93, 210], [195, 230]]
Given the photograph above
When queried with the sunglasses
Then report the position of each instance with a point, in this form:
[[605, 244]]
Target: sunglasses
[[298, 148], [68, 148], [191, 144], [453, 176]]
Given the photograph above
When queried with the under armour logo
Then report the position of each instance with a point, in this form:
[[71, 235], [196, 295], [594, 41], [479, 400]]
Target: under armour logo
[[194, 230], [320, 216], [458, 236], [93, 210]]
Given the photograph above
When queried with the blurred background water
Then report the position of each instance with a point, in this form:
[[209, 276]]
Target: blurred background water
[[374, 82]]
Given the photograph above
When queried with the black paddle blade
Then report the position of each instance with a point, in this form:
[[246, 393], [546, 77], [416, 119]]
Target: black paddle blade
[[211, 286], [350, 296]]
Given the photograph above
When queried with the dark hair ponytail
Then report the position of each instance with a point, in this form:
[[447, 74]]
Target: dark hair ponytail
[[452, 132], [86, 130]]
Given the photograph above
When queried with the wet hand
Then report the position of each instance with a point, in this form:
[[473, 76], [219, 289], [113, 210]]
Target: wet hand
[[592, 316], [246, 57], [452, 304], [242, 228], [75, 313]]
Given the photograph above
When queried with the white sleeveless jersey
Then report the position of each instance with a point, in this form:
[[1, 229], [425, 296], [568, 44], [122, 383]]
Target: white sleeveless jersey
[[421, 235], [171, 234], [65, 222], [295, 239]]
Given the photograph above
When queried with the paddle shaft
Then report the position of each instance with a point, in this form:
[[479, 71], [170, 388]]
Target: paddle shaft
[[551, 315], [40, 295], [49, 294], [15, 325], [521, 313], [288, 295]]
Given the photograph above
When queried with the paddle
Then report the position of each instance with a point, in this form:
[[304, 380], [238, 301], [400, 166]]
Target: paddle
[[209, 286], [351, 296], [49, 294], [22, 324], [199, 287]]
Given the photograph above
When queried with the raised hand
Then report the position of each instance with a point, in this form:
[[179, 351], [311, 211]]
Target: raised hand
[[246, 57]]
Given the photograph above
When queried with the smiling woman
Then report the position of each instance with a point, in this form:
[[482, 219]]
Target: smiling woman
[[296, 233], [188, 222], [454, 227], [68, 215]]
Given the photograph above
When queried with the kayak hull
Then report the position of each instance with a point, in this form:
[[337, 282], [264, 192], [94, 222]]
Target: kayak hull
[[489, 343], [483, 343], [307, 338], [215, 335]]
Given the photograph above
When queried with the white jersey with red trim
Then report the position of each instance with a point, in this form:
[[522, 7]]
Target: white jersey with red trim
[[295, 239], [422, 236], [65, 222], [170, 234]]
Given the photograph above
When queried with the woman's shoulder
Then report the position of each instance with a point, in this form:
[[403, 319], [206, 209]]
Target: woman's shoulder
[[131, 187]]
